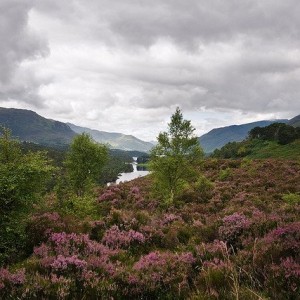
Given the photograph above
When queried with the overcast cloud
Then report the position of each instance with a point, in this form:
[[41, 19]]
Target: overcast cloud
[[125, 65]]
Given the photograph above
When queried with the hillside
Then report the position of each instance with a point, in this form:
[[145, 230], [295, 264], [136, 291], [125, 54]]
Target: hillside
[[237, 238], [278, 140], [114, 139], [27, 125], [270, 149], [219, 137], [295, 121]]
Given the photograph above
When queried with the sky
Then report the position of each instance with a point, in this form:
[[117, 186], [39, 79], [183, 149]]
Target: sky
[[125, 65]]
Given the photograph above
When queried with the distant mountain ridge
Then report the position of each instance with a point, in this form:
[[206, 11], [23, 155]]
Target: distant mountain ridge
[[218, 137], [295, 121], [114, 139], [27, 125]]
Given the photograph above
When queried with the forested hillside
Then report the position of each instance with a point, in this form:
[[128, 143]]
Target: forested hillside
[[218, 137], [28, 126], [274, 141]]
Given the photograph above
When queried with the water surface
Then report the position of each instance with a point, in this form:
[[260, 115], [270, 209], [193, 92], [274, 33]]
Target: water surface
[[132, 175]]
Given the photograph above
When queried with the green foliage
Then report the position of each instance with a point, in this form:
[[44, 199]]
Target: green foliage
[[12, 236], [231, 150], [277, 140], [204, 186], [173, 159], [225, 174], [258, 149], [56, 155], [84, 162], [271, 149], [279, 132], [23, 178], [291, 198], [83, 207], [115, 165]]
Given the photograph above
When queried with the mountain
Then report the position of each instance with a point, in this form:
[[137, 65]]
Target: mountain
[[27, 125], [219, 137], [295, 121], [114, 139]]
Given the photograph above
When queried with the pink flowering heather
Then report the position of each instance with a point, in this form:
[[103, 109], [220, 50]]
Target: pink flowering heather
[[288, 236], [291, 267], [158, 271], [211, 250], [135, 194], [286, 277], [159, 260], [11, 283], [71, 244], [169, 218], [110, 194], [278, 244], [42, 250], [233, 226], [62, 263], [215, 264], [82, 261], [11, 278], [116, 238], [152, 259], [64, 251], [41, 226]]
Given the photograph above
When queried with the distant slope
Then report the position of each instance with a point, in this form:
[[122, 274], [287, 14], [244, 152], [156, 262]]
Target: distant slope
[[219, 137], [114, 139], [295, 121], [259, 149], [27, 125], [270, 149]]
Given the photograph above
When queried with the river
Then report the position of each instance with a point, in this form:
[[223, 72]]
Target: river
[[132, 175]]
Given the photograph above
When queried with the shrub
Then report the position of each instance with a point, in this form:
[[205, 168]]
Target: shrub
[[10, 282], [116, 238], [291, 198], [233, 226], [41, 226], [225, 174], [162, 274], [204, 185]]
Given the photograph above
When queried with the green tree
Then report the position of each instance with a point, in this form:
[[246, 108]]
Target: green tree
[[175, 157], [84, 162], [23, 178]]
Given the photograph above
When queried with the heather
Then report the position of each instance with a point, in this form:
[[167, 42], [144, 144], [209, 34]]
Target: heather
[[234, 233]]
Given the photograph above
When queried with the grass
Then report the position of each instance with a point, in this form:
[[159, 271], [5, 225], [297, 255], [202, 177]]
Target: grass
[[268, 149]]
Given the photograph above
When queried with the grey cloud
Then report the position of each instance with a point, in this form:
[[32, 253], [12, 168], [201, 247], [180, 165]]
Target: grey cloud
[[18, 43], [109, 58], [187, 23], [192, 22]]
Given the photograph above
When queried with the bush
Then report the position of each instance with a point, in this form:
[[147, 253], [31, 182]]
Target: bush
[[162, 275], [225, 174], [291, 198], [233, 226]]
